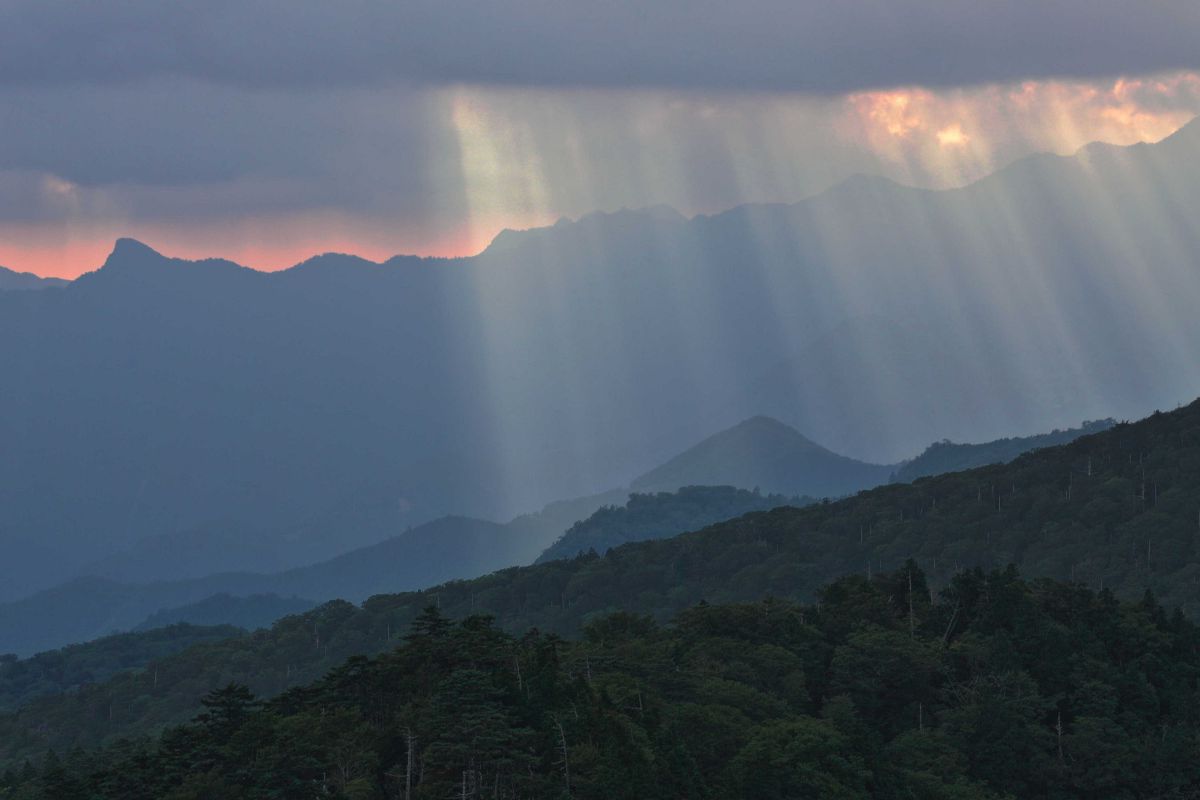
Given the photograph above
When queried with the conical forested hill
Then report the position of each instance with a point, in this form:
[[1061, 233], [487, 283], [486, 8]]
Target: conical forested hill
[[1118, 510]]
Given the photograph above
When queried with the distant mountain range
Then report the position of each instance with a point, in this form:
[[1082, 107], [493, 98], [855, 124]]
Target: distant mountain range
[[11, 281], [444, 549], [187, 418]]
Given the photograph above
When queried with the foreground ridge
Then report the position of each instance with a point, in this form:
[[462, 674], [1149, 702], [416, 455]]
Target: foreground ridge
[[996, 688]]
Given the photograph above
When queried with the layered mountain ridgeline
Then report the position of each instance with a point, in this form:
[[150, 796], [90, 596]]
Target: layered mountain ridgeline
[[445, 549], [442, 550], [248, 613], [996, 688], [288, 417], [757, 452], [947, 456], [26, 281], [70, 668], [438, 551], [766, 454], [1118, 510], [659, 516]]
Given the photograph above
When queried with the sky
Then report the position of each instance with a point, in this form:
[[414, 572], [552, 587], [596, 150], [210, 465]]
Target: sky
[[270, 130]]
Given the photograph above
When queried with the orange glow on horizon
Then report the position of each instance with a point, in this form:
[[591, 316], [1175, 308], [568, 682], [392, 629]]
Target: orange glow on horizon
[[263, 246]]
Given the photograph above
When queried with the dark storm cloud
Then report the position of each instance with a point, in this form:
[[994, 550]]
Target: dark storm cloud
[[826, 47], [181, 132]]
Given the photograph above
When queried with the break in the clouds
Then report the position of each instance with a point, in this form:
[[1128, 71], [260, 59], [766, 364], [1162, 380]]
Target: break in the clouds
[[267, 131], [823, 47]]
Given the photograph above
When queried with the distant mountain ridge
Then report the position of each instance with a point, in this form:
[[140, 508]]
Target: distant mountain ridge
[[264, 421], [444, 549], [660, 516], [942, 457], [13, 281]]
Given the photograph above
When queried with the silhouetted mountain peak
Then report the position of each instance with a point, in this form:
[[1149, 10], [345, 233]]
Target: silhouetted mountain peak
[[133, 261], [131, 257], [335, 262], [126, 248], [597, 220]]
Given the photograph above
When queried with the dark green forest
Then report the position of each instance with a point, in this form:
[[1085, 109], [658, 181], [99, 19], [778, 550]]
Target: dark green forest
[[69, 669], [661, 515], [994, 687], [1116, 511]]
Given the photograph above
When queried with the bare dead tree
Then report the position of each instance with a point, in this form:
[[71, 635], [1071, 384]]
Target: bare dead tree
[[566, 764], [912, 623], [410, 740]]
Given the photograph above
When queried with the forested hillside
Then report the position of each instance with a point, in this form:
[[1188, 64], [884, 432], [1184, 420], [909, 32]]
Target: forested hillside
[[949, 456], [248, 613], [1118, 510], [70, 668], [995, 688], [661, 515]]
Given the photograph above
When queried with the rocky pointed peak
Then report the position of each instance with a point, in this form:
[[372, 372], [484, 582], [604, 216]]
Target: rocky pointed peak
[[126, 249], [131, 257]]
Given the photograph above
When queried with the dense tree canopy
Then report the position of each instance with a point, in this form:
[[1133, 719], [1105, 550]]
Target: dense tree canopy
[[70, 668], [992, 688]]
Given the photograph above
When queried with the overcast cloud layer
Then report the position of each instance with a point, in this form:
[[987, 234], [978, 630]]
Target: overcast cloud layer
[[825, 47]]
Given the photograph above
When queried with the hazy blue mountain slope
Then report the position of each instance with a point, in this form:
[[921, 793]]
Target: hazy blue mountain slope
[[89, 608], [444, 549], [764, 453], [659, 516], [266, 421], [947, 456]]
